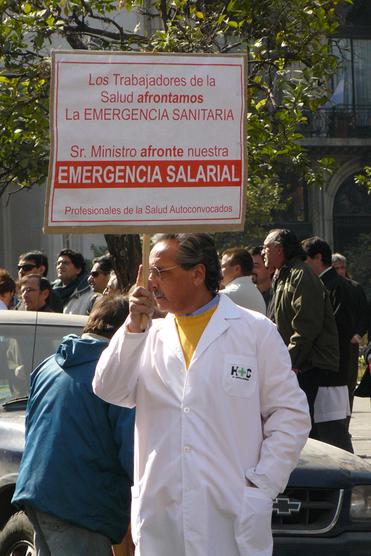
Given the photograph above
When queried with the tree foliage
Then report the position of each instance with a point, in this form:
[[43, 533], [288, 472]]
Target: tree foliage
[[289, 67], [364, 178]]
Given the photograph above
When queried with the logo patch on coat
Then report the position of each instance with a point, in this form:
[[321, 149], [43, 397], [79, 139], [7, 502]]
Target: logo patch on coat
[[240, 373]]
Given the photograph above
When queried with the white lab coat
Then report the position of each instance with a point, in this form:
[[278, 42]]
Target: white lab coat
[[237, 413]]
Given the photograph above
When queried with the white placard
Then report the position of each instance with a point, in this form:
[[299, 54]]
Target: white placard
[[143, 142]]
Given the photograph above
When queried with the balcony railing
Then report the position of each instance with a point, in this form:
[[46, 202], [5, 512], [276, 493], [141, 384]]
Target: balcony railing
[[340, 121]]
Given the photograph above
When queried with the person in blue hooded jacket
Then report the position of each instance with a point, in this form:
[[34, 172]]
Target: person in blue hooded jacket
[[76, 472]]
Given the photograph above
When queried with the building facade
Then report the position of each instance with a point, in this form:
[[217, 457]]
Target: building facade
[[340, 211]]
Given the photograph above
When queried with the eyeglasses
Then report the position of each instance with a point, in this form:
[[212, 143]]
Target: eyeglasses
[[159, 271], [95, 273], [26, 267]]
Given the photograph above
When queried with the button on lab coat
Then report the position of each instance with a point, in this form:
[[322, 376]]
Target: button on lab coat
[[237, 413]]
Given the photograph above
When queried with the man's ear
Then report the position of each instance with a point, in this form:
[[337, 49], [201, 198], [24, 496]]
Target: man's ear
[[45, 295], [199, 273], [238, 269]]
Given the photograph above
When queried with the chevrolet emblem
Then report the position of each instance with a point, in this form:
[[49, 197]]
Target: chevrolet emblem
[[285, 506]]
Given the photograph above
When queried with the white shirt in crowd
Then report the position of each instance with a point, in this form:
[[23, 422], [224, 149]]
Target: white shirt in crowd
[[243, 292]]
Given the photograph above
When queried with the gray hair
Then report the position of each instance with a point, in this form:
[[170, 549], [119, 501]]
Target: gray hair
[[339, 258], [194, 249], [291, 246]]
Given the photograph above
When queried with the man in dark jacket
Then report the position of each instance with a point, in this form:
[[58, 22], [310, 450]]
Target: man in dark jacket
[[72, 283], [332, 424], [359, 316], [302, 312], [76, 471]]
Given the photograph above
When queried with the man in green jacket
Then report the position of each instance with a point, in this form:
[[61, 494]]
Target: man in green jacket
[[302, 312]]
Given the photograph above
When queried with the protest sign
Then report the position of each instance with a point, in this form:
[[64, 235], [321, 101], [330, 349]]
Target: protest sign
[[146, 142]]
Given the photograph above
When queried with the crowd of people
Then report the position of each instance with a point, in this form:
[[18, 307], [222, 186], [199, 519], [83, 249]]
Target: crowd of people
[[321, 314], [224, 398], [73, 292]]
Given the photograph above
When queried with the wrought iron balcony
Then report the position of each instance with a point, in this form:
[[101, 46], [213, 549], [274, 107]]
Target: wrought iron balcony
[[340, 121]]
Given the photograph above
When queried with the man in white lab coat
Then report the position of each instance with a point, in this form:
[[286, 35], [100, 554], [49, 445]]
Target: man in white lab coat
[[220, 419]]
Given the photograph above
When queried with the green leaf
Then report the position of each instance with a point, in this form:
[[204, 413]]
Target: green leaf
[[261, 103]]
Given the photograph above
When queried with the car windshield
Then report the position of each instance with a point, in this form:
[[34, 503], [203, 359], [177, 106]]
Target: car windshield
[[22, 347]]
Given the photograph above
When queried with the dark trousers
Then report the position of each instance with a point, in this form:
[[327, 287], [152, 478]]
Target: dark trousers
[[353, 372], [334, 433], [308, 382]]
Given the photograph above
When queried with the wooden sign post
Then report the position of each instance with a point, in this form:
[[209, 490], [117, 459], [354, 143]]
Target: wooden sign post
[[145, 258]]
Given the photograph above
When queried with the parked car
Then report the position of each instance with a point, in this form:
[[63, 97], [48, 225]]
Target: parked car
[[325, 510], [326, 507], [26, 339]]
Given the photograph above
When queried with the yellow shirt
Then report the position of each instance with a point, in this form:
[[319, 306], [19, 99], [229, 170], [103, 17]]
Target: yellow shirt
[[190, 329]]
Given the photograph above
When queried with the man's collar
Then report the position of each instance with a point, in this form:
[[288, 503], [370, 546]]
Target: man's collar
[[239, 279], [324, 271], [204, 308], [291, 262]]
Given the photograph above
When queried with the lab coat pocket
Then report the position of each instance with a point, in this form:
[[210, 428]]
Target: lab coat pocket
[[135, 513], [239, 375], [253, 531]]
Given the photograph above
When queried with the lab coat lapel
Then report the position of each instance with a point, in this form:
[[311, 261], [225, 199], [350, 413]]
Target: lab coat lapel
[[219, 322]]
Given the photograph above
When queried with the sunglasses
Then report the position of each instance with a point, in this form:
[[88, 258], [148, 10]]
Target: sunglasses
[[26, 267], [95, 273]]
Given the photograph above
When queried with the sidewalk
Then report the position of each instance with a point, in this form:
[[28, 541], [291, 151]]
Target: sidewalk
[[360, 427]]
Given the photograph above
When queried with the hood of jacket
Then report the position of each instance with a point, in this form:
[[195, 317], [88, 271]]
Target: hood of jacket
[[75, 350]]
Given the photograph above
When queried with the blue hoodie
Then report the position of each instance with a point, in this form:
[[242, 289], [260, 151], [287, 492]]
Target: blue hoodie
[[78, 457]]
